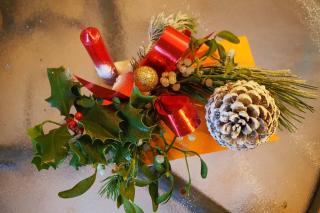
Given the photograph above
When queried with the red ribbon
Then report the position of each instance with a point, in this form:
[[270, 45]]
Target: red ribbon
[[178, 113], [166, 52], [99, 91]]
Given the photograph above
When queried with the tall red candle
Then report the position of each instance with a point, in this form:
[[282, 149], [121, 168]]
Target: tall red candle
[[92, 41]]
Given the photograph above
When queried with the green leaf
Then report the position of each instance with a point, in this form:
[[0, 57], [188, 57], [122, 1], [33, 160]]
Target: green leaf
[[154, 194], [128, 190], [213, 46], [138, 100], [130, 207], [78, 159], [229, 36], [54, 147], [79, 188], [86, 102], [204, 169], [133, 128], [111, 187], [141, 182], [61, 97], [147, 172], [101, 123], [222, 52], [127, 205], [119, 201], [94, 150], [33, 133], [166, 196]]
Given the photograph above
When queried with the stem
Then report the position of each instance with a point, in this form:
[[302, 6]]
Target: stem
[[53, 122], [171, 144], [189, 176]]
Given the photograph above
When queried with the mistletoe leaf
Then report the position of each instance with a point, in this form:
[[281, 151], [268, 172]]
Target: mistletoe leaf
[[128, 190], [154, 194], [212, 47], [101, 123], [79, 188], [229, 36], [130, 207], [222, 52], [166, 196], [54, 147], [61, 97], [204, 169]]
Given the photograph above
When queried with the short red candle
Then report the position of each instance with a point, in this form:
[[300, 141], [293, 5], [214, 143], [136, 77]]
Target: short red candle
[[92, 41]]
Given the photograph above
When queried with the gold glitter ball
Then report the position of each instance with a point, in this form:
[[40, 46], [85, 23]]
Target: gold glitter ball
[[145, 78]]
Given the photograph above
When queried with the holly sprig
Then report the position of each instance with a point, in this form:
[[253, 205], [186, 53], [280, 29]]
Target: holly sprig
[[96, 135]]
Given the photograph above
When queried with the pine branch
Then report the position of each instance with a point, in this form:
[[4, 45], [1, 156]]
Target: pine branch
[[288, 90], [111, 187]]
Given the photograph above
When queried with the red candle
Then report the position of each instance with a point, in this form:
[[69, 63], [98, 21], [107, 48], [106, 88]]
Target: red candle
[[92, 41]]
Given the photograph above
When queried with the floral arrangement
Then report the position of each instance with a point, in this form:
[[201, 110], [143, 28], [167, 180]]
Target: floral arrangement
[[125, 124]]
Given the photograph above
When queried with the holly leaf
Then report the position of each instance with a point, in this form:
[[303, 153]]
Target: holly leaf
[[229, 36], [138, 100], [133, 128], [101, 123], [53, 148], [78, 158], [33, 133], [93, 149], [79, 188], [61, 97]]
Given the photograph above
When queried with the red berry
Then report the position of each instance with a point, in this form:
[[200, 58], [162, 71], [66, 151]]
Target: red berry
[[78, 116], [72, 124], [68, 120]]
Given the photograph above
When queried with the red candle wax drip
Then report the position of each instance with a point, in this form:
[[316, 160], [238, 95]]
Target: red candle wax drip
[[92, 41]]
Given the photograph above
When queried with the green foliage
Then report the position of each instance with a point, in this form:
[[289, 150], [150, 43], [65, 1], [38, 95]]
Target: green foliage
[[61, 97], [167, 195], [154, 194], [204, 169], [79, 188], [111, 187], [130, 207], [49, 149], [101, 122], [133, 127], [229, 36]]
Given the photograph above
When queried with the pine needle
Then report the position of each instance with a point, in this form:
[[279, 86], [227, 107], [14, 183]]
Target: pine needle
[[111, 187], [288, 90]]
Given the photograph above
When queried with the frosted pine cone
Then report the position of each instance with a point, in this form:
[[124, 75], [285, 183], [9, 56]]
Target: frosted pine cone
[[241, 115]]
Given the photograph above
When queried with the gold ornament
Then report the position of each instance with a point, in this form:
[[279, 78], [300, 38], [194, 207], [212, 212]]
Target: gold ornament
[[145, 78]]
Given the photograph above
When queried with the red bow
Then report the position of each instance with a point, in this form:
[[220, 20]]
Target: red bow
[[178, 113]]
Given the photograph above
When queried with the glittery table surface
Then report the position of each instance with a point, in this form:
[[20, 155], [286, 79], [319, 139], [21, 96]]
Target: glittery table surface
[[36, 34]]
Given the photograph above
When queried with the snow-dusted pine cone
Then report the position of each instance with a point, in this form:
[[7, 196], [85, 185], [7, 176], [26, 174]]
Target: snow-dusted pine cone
[[241, 115]]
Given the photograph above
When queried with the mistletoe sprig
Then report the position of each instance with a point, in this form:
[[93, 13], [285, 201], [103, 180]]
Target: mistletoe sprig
[[116, 135]]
